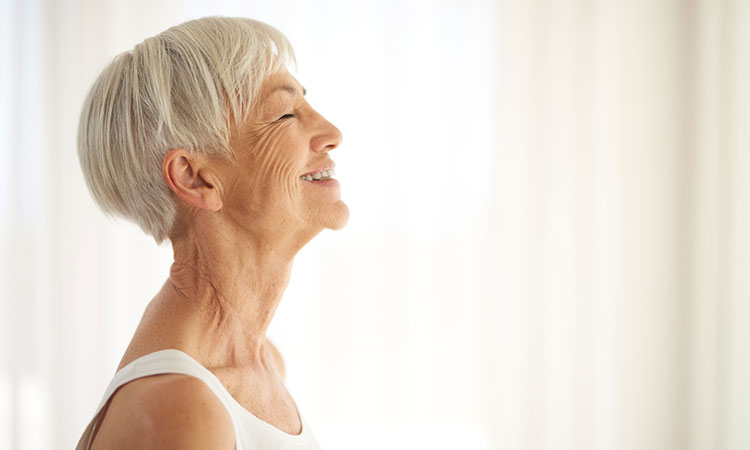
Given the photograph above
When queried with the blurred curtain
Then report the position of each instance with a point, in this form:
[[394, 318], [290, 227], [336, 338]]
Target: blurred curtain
[[550, 237]]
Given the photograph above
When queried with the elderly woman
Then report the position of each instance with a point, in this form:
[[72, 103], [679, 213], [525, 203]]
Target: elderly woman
[[201, 136]]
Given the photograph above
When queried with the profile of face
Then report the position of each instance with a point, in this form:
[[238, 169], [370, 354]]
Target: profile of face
[[280, 180]]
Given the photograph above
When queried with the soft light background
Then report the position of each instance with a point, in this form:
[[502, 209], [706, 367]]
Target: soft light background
[[549, 245]]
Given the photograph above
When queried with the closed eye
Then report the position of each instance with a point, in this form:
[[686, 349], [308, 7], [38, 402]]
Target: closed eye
[[286, 116]]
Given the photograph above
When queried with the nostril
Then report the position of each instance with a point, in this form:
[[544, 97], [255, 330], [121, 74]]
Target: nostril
[[329, 138], [325, 143]]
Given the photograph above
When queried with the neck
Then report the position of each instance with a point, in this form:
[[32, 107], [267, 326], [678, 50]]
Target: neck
[[226, 287]]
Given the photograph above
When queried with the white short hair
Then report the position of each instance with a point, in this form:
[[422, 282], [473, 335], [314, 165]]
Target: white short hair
[[179, 89]]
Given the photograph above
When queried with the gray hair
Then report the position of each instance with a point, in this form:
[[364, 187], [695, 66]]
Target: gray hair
[[182, 88]]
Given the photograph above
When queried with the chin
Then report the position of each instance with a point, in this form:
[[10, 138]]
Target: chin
[[337, 217]]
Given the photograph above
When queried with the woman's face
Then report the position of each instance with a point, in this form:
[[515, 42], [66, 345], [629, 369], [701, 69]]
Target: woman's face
[[267, 188]]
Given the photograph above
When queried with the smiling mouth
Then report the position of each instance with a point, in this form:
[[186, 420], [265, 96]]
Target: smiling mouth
[[319, 176]]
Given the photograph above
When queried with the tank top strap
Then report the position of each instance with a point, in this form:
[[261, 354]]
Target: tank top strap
[[169, 361]]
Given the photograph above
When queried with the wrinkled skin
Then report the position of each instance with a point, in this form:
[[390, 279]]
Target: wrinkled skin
[[263, 191]]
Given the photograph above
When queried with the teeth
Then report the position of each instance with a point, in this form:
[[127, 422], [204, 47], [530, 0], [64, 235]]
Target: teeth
[[322, 175]]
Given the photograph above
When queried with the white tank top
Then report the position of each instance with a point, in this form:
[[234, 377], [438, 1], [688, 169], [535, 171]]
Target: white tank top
[[250, 432]]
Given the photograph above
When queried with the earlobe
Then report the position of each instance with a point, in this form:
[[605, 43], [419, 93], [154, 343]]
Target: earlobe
[[190, 178]]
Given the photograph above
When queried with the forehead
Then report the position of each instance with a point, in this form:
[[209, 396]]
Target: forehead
[[280, 82]]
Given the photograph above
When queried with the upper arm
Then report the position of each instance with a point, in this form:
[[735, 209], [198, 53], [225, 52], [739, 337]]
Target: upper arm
[[165, 412]]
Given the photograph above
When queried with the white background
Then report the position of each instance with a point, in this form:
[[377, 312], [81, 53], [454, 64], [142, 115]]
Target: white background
[[549, 244]]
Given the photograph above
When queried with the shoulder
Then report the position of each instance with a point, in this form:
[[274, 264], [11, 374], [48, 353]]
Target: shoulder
[[169, 411]]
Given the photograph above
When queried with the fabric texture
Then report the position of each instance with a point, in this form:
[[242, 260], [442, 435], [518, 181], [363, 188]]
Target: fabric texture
[[250, 431]]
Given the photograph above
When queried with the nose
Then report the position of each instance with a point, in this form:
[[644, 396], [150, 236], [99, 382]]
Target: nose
[[328, 137]]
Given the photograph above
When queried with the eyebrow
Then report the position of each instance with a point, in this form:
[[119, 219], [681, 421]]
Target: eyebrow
[[289, 88]]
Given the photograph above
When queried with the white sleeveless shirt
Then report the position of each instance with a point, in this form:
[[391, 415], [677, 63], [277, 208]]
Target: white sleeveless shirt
[[250, 432]]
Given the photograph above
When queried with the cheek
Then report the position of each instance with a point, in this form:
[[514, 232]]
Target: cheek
[[273, 163]]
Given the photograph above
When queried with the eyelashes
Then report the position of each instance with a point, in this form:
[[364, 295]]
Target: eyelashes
[[286, 116]]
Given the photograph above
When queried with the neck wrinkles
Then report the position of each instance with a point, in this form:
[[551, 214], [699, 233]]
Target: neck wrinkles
[[230, 286]]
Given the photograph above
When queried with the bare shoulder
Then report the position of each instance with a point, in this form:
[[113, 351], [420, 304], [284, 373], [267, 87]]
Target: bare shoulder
[[278, 360], [169, 411]]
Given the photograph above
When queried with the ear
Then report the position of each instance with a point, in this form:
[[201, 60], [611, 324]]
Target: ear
[[189, 176]]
